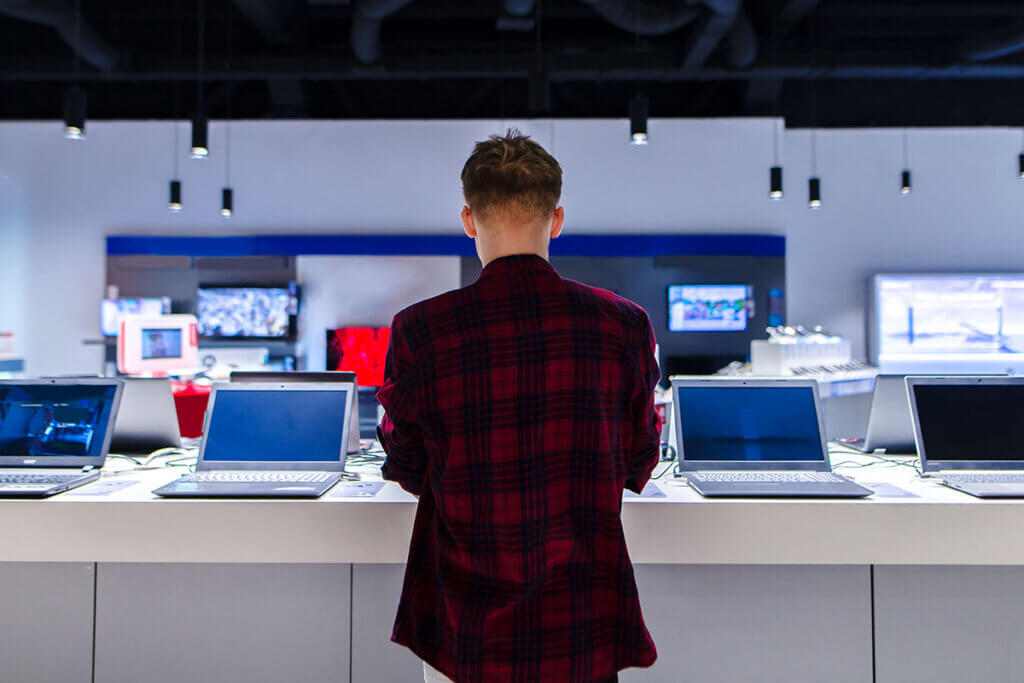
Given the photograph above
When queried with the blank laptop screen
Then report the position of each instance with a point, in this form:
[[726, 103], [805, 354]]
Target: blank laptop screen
[[976, 422], [54, 420], [276, 426], [749, 424]]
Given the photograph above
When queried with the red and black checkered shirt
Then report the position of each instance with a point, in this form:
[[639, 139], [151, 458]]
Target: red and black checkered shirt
[[518, 409]]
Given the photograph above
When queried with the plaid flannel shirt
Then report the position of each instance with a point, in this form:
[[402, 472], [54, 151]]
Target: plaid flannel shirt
[[518, 408]]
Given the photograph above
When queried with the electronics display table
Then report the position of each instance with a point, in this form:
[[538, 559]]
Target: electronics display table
[[795, 590]]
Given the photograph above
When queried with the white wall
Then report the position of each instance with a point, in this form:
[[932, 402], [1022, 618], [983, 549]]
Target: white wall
[[402, 177]]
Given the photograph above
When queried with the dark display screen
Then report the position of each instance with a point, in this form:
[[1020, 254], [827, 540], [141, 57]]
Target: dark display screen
[[41, 420], [161, 343], [749, 424], [260, 425], [971, 422]]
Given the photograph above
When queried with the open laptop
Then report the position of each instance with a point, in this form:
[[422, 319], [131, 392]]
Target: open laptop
[[890, 427], [269, 440], [755, 438], [319, 377], [968, 432], [147, 419], [54, 434]]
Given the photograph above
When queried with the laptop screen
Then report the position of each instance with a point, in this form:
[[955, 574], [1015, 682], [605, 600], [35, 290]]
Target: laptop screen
[[749, 424], [976, 422], [43, 420], [276, 426]]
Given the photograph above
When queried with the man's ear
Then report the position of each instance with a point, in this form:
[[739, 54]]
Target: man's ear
[[468, 224], [557, 222]]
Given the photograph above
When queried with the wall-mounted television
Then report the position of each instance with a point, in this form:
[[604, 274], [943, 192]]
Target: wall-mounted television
[[361, 350], [248, 312], [708, 308], [947, 323], [111, 311]]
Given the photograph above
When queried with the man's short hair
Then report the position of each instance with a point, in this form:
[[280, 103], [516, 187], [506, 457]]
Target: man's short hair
[[511, 173]]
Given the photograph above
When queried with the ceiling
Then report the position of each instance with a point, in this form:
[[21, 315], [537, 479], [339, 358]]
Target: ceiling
[[815, 62]]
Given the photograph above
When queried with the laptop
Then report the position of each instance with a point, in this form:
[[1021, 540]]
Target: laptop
[[890, 427], [147, 420], [54, 434], [269, 441], [755, 438], [320, 377], [968, 432]]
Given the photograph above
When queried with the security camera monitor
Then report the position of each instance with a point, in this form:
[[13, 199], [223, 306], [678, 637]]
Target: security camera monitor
[[242, 312], [708, 308]]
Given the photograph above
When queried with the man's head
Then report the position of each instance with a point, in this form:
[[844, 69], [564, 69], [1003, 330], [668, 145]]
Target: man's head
[[511, 186]]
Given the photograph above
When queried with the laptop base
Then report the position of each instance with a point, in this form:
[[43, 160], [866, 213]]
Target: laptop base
[[29, 490], [779, 490], [262, 489], [993, 490]]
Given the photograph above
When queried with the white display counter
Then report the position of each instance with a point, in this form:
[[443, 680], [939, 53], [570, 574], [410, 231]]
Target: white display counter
[[795, 590]]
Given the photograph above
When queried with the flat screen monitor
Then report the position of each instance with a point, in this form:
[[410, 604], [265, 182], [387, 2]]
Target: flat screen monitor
[[720, 422], [244, 312], [969, 422], [111, 311], [708, 308], [245, 425], [945, 324], [51, 420], [161, 343]]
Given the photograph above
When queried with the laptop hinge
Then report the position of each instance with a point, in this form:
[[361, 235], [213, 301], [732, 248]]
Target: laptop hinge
[[88, 468]]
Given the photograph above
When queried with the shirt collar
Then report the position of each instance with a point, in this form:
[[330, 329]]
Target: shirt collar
[[517, 263]]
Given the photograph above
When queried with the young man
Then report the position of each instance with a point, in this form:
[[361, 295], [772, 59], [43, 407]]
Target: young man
[[517, 409]]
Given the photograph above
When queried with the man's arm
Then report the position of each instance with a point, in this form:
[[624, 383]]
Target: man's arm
[[399, 433], [645, 426]]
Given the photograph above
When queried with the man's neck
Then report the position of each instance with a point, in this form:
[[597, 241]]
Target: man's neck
[[487, 256]]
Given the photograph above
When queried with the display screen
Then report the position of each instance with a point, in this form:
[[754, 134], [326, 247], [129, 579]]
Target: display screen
[[247, 426], [111, 311], [940, 321], [970, 422], [48, 420], [708, 308], [749, 424], [161, 343], [264, 312]]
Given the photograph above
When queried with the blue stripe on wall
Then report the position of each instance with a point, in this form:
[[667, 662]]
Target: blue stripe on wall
[[441, 245]]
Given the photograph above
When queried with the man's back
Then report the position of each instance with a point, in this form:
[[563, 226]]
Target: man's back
[[518, 408]]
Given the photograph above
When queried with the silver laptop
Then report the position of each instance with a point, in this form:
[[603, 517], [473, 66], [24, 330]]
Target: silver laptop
[[147, 419], [269, 440], [325, 376], [54, 434], [968, 432], [890, 427], [755, 438]]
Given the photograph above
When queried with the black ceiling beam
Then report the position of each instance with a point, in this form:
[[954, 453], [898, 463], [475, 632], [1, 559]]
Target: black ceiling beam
[[596, 68]]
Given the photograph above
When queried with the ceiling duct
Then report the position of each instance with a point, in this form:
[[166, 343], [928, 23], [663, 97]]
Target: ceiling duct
[[367, 18], [646, 17], [518, 8], [994, 46], [61, 17]]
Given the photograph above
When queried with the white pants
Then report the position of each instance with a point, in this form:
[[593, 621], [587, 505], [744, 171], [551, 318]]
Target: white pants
[[432, 675]]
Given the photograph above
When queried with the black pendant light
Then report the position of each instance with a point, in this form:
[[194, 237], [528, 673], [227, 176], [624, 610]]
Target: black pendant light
[[814, 182], [74, 97], [775, 174], [638, 120], [200, 122], [905, 185], [174, 197]]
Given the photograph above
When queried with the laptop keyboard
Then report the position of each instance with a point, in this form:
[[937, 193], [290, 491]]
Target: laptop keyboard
[[771, 477], [248, 477], [37, 478], [985, 478]]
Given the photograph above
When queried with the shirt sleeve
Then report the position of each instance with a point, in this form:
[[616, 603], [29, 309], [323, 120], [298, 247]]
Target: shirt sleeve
[[645, 423], [399, 433]]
